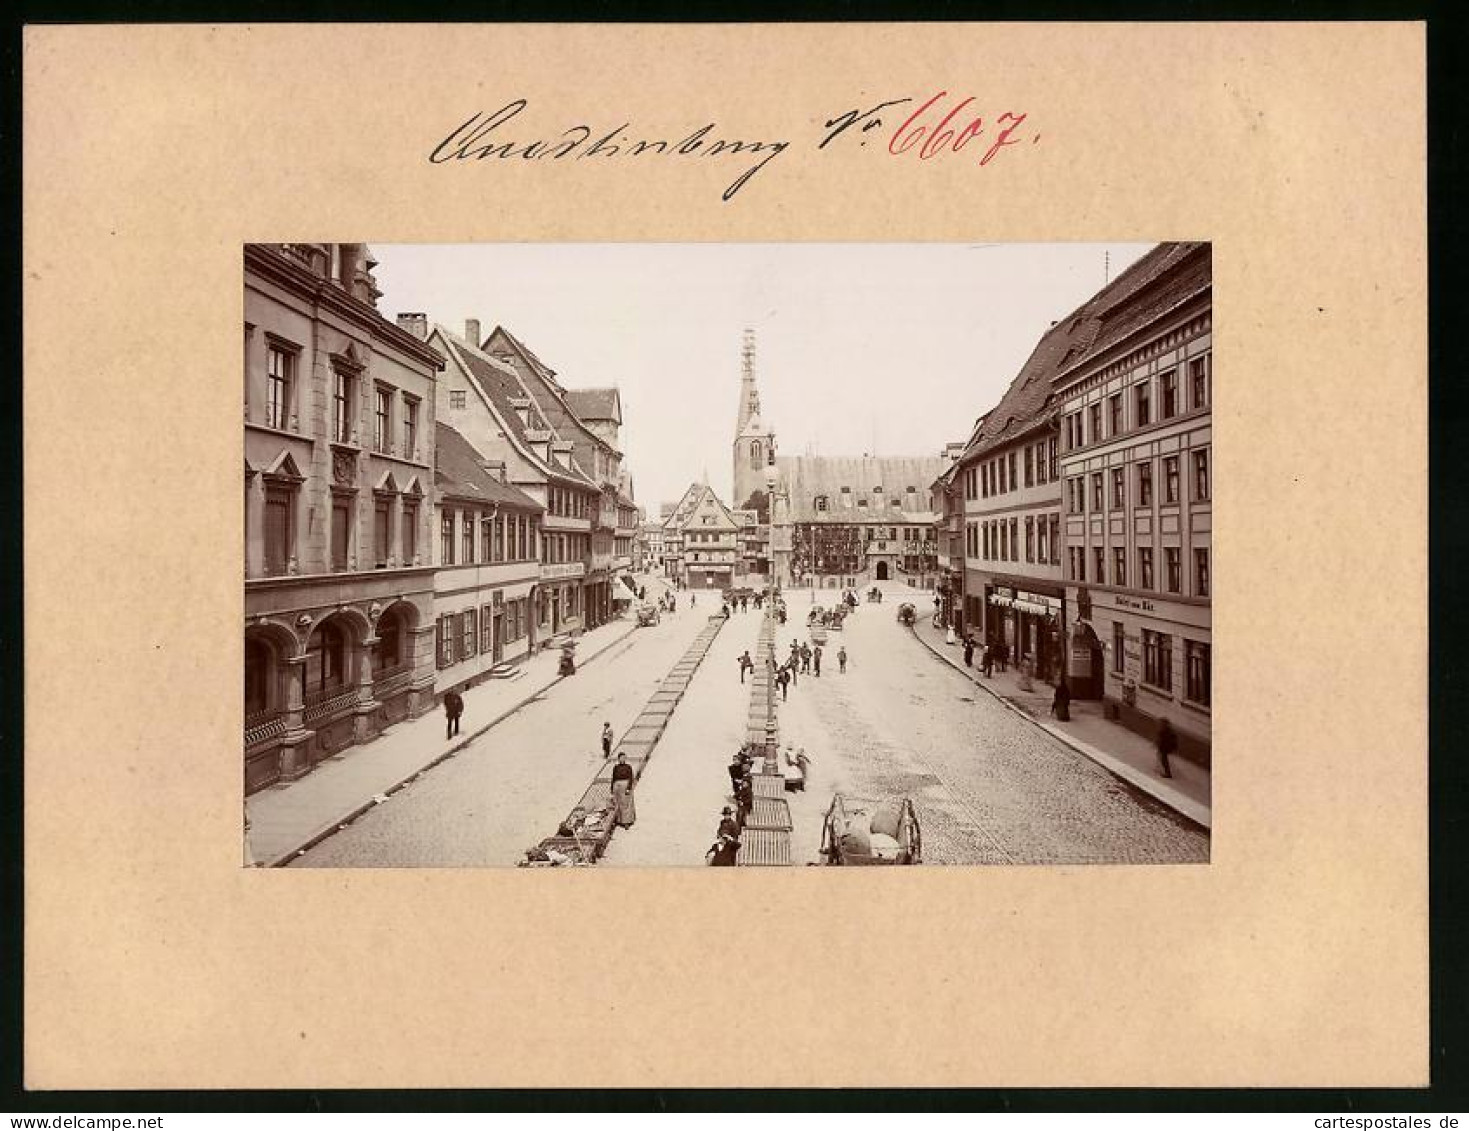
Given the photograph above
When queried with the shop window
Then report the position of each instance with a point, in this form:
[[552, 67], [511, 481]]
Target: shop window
[[1158, 659], [1197, 672]]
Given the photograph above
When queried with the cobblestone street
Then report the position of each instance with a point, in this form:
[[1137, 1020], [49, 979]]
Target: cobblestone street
[[990, 787]]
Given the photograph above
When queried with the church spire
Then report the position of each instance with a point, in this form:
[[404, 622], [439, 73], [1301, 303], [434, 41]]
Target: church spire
[[749, 394]]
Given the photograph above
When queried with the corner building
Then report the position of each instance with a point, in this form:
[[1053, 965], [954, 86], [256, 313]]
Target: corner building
[[339, 482], [1136, 469]]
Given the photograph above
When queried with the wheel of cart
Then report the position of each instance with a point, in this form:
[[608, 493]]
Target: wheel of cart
[[860, 831]]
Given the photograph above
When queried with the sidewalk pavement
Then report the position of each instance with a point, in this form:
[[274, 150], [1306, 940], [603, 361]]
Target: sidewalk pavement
[[287, 819], [1111, 745]]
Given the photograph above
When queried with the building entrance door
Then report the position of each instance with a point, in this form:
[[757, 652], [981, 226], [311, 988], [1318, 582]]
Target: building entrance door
[[499, 638], [882, 571]]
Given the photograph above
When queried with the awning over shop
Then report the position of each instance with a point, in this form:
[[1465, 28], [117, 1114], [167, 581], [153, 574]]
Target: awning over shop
[[624, 591]]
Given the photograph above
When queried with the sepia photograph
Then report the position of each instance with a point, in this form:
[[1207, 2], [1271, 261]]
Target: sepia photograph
[[752, 555]]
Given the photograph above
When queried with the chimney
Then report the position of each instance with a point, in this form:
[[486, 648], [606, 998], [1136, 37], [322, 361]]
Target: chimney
[[471, 332], [415, 323]]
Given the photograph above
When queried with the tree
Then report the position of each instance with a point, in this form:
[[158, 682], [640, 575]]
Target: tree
[[758, 502]]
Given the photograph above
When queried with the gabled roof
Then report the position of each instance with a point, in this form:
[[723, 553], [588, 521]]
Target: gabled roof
[[550, 398], [596, 404], [500, 384], [1105, 317], [458, 474]]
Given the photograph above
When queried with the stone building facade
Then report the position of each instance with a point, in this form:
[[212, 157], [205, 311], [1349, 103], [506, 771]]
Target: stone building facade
[[339, 496]]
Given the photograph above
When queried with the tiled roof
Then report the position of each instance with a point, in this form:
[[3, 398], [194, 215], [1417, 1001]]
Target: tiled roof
[[501, 385], [551, 399], [807, 477], [1101, 320], [458, 474], [595, 404]]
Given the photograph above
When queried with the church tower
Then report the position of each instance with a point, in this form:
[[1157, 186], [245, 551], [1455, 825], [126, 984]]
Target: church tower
[[754, 444]]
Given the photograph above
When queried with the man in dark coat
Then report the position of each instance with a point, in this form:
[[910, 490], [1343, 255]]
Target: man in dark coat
[[723, 852], [783, 677], [728, 825], [816, 659], [1061, 703], [968, 651], [746, 664], [453, 708], [1167, 744], [988, 661]]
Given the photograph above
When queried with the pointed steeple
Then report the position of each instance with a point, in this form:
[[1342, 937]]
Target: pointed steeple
[[748, 420]]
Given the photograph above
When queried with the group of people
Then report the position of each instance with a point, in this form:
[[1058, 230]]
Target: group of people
[[803, 659], [991, 655], [726, 847]]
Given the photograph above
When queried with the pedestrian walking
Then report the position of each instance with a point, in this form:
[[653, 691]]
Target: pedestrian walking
[[737, 770], [746, 664], [606, 740], [728, 825], [722, 852], [805, 658], [623, 806], [968, 651], [724, 610], [453, 708], [988, 661], [1061, 703], [784, 679], [1002, 656], [1167, 744], [816, 660], [842, 660]]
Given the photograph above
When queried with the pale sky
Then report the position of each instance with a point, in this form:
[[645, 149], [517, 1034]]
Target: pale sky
[[889, 349]]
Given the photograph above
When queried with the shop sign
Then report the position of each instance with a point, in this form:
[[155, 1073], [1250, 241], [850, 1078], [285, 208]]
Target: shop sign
[[1132, 603]]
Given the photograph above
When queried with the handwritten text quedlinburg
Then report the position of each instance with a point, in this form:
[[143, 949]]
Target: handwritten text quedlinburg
[[939, 125]]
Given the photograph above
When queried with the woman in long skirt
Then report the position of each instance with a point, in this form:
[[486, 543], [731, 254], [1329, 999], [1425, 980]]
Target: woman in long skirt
[[622, 799]]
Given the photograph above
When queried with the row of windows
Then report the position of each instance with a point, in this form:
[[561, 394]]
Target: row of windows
[[465, 634], [568, 503], [1102, 500], [1172, 579], [395, 535], [1000, 540], [1002, 474], [908, 498], [1158, 663], [393, 410], [1133, 409], [484, 537]]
